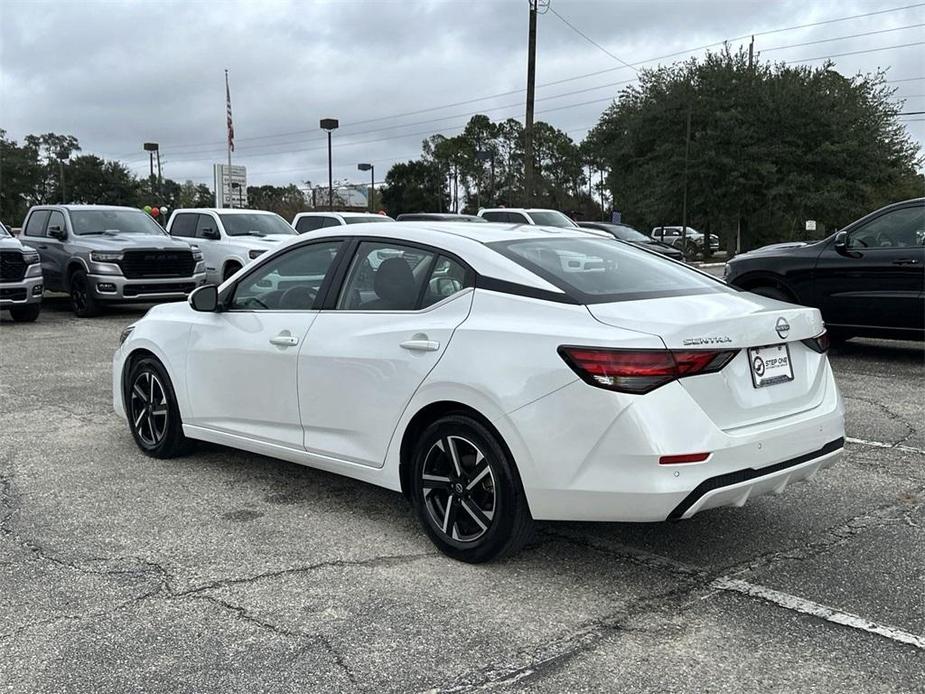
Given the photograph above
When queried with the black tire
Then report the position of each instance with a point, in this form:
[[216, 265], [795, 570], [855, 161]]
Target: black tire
[[773, 293], [25, 314], [477, 510], [152, 411], [230, 269], [83, 303]]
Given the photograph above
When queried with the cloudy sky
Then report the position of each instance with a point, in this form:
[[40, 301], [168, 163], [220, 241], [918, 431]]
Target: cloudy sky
[[116, 74]]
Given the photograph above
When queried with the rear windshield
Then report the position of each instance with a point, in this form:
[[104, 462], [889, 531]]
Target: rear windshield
[[86, 222], [552, 218], [599, 270], [367, 220], [245, 224]]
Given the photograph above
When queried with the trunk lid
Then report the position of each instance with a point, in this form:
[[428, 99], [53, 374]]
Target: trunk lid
[[732, 321]]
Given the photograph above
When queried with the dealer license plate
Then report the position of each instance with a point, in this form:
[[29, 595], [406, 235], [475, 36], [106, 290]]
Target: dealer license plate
[[770, 365]]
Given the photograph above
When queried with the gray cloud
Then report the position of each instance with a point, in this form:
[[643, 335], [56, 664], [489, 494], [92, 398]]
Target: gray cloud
[[117, 74]]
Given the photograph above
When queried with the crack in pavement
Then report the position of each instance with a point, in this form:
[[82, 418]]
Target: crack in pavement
[[893, 416]]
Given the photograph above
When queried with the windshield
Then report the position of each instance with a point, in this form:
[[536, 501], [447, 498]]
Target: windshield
[[87, 222], [254, 224], [367, 219], [598, 270], [551, 218], [627, 233]]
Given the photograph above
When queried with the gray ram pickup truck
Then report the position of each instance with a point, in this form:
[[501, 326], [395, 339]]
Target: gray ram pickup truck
[[20, 279], [101, 254]]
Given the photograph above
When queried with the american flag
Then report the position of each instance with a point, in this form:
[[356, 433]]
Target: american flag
[[228, 114]]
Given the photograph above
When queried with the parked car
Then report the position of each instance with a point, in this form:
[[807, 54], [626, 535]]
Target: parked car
[[20, 278], [624, 232], [491, 381], [693, 239], [100, 254], [312, 221], [439, 217], [229, 238], [867, 279], [520, 215]]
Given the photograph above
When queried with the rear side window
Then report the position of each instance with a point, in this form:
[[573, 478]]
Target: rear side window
[[184, 225], [600, 270], [305, 224], [35, 226], [495, 216], [331, 222], [371, 219], [385, 276], [446, 279]]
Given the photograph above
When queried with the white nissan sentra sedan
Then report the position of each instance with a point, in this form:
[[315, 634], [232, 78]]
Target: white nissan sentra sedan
[[495, 374]]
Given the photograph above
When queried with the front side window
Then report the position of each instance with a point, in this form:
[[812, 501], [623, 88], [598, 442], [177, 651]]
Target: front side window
[[289, 282], [903, 228], [598, 270], [184, 225], [56, 221], [385, 277], [254, 224], [89, 222], [35, 226], [206, 227]]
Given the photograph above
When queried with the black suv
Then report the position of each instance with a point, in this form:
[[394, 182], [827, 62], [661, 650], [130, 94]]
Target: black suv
[[867, 279]]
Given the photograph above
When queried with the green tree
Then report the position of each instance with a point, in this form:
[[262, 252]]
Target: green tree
[[286, 201], [95, 181], [414, 186]]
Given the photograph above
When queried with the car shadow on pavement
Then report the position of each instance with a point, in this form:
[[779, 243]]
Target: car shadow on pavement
[[901, 351]]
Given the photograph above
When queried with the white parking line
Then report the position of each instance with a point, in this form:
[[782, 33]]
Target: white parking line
[[830, 614], [882, 444]]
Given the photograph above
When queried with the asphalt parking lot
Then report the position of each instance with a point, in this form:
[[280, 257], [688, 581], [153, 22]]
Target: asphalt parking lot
[[224, 571]]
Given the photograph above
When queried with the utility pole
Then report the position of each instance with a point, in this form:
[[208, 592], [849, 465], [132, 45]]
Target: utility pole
[[603, 218], [160, 186], [751, 54], [687, 149], [528, 119]]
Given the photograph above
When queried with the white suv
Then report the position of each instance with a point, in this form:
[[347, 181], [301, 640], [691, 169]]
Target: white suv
[[312, 221], [520, 215], [229, 239]]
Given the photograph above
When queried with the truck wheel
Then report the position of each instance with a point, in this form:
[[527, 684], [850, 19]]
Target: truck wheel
[[25, 314], [83, 302]]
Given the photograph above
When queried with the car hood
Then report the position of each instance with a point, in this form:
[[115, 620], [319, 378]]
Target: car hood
[[776, 247], [120, 242], [726, 320], [262, 242], [10, 243]]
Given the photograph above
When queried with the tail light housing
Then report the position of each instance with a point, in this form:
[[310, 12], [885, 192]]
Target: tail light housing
[[820, 343], [640, 371]]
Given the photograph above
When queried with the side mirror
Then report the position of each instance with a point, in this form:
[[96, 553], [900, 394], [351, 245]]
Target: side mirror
[[211, 234], [57, 232], [204, 298], [841, 241]]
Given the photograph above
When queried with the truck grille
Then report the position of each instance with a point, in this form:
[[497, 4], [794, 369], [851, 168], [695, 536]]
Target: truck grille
[[13, 293], [12, 266], [151, 264]]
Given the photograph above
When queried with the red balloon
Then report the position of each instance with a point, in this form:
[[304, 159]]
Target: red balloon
[[155, 212]]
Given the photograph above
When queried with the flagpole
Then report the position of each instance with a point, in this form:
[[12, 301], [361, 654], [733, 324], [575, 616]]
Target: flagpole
[[229, 136]]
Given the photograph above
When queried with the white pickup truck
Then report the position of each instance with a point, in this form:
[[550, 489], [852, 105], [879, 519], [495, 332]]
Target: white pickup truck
[[229, 238]]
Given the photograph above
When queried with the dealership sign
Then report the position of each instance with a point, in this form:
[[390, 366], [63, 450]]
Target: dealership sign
[[230, 185]]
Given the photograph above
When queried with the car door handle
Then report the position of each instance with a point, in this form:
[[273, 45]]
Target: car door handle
[[906, 261], [284, 340], [421, 345]]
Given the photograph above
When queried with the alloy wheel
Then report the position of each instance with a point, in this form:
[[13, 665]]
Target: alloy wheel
[[149, 408], [79, 294], [459, 488]]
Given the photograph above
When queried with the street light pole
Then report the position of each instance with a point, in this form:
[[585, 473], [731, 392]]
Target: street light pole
[[528, 118], [330, 125], [151, 148], [372, 184]]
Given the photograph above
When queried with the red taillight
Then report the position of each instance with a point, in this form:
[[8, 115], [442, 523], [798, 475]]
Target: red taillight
[[686, 458], [820, 343], [640, 371]]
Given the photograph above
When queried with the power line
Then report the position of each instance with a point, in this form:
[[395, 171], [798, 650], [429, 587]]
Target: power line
[[590, 40], [564, 80], [843, 38], [841, 55]]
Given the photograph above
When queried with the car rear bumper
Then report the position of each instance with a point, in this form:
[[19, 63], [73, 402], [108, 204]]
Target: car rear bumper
[[21, 293], [600, 461], [116, 288]]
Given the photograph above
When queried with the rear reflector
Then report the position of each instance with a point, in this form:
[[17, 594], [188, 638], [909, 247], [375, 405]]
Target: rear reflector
[[686, 458], [640, 371]]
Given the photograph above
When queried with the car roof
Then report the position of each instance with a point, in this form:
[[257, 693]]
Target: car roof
[[224, 210], [320, 213], [71, 208], [519, 209]]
